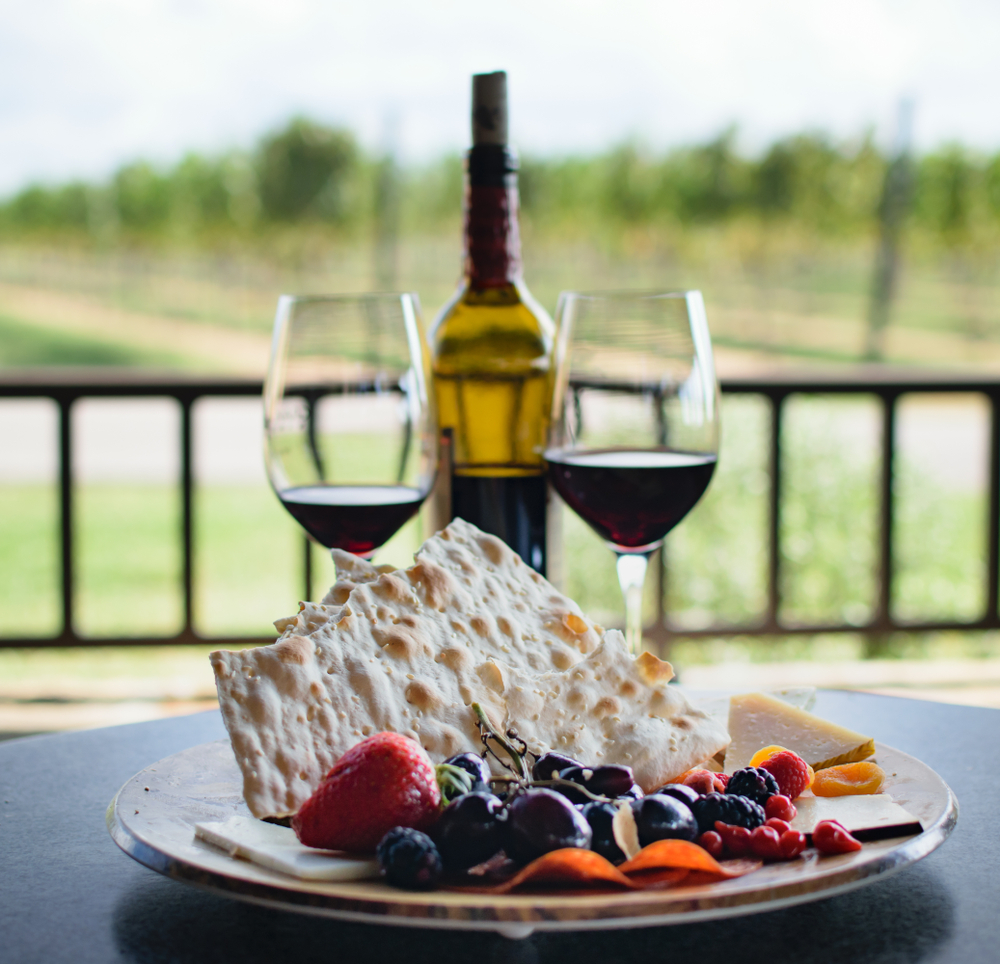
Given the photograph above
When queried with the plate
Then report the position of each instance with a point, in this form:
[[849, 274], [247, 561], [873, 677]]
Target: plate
[[152, 818]]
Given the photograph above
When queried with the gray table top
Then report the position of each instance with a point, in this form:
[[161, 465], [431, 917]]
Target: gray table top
[[67, 893]]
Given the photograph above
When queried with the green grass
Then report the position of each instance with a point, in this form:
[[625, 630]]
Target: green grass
[[24, 345], [29, 562]]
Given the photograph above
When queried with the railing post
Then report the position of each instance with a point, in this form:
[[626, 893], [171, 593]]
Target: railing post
[[187, 516], [307, 568], [66, 487], [993, 537], [774, 518], [883, 611]]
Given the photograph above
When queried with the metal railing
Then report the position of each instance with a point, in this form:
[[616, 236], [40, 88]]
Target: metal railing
[[886, 385]]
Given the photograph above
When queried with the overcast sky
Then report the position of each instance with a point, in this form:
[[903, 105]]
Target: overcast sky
[[86, 85]]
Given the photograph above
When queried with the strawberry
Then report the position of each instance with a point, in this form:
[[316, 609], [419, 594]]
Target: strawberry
[[790, 772], [383, 782]]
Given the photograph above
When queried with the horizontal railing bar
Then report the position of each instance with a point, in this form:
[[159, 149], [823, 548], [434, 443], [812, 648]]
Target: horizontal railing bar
[[863, 381], [66, 387], [676, 632]]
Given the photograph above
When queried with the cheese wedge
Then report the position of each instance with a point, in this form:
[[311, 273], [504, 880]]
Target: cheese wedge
[[757, 720]]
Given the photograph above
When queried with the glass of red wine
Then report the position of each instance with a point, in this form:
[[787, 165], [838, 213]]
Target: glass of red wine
[[634, 435], [349, 424]]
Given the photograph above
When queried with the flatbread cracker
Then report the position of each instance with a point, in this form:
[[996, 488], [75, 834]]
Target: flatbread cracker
[[611, 708], [405, 650]]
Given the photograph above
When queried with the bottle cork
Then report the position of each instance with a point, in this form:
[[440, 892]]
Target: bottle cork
[[489, 108]]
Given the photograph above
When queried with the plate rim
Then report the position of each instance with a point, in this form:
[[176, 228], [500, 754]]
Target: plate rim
[[509, 917]]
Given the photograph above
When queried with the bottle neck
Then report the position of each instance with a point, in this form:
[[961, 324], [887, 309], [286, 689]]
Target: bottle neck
[[492, 239]]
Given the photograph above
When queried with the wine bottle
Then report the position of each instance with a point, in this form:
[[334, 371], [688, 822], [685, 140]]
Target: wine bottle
[[491, 346]]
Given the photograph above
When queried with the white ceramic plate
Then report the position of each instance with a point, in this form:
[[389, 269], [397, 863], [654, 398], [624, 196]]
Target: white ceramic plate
[[152, 818]]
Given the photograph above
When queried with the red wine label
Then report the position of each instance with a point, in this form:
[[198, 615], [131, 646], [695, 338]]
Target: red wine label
[[492, 241]]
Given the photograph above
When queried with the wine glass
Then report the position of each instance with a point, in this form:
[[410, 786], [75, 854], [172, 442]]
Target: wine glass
[[349, 425], [634, 435]]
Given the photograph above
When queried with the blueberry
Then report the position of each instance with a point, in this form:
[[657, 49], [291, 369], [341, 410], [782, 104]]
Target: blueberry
[[409, 859]]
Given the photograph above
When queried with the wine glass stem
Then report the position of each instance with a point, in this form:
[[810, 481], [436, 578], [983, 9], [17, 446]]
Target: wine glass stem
[[631, 568]]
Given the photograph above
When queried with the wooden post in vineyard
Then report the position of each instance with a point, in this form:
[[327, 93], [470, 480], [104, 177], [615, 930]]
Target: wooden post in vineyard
[[897, 192]]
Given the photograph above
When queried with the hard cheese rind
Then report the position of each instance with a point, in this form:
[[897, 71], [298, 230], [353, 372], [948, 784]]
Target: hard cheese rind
[[757, 720], [277, 848], [407, 651]]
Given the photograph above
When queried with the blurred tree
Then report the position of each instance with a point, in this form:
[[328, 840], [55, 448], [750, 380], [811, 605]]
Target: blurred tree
[[303, 172], [945, 187], [142, 197]]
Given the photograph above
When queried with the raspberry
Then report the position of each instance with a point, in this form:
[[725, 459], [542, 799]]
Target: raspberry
[[730, 809], [754, 783], [790, 772], [781, 807]]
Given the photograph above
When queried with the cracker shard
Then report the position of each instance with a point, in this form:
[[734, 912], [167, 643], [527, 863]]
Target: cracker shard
[[410, 650]]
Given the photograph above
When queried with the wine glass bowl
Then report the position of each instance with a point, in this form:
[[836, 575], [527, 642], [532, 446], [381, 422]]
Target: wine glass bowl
[[634, 435], [349, 425]]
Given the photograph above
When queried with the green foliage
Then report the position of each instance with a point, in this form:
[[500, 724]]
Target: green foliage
[[303, 172], [309, 173]]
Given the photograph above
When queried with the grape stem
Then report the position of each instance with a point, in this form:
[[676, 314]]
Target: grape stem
[[555, 782], [520, 768]]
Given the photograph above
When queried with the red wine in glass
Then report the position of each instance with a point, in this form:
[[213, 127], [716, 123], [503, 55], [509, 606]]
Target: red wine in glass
[[357, 518], [631, 498]]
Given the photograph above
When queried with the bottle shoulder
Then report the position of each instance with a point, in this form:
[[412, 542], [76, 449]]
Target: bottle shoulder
[[505, 325]]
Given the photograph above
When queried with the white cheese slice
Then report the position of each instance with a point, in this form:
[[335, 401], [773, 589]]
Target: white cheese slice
[[277, 848], [757, 720], [870, 816]]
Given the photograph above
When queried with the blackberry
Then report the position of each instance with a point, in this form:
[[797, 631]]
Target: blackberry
[[729, 808], [409, 859], [755, 783]]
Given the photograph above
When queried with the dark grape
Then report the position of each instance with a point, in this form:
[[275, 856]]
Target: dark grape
[[539, 821], [469, 830], [634, 792], [680, 792], [549, 762], [476, 767], [600, 816], [610, 780], [658, 817]]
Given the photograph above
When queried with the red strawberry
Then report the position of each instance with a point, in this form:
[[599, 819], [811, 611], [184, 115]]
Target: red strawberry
[[383, 782], [790, 771]]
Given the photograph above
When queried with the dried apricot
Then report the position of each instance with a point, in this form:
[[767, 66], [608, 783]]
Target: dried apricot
[[765, 754], [848, 779]]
